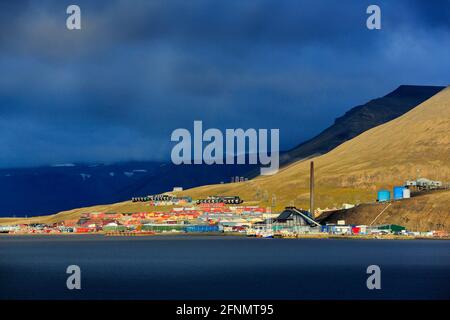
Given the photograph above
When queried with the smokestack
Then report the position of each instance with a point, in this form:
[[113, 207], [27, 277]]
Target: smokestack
[[311, 189]]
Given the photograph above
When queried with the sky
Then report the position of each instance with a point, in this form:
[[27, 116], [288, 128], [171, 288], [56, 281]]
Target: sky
[[137, 70]]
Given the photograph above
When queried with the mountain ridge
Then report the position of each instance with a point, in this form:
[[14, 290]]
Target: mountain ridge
[[360, 119], [414, 144]]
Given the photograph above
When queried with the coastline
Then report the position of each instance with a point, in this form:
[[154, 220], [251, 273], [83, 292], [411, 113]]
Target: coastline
[[230, 234]]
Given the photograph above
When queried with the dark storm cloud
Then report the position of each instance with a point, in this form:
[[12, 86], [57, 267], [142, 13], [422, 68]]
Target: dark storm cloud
[[139, 69]]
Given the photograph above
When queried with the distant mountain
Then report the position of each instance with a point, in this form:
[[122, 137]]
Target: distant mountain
[[360, 119], [44, 190]]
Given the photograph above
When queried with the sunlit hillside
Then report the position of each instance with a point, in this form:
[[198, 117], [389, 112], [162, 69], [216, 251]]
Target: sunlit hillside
[[415, 144]]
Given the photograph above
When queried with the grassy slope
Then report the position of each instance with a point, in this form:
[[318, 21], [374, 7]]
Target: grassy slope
[[416, 143]]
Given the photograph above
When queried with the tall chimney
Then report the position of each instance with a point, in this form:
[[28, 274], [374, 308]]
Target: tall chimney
[[311, 189]]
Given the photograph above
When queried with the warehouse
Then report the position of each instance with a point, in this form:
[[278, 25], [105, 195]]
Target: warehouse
[[292, 216], [203, 228], [163, 227], [389, 228]]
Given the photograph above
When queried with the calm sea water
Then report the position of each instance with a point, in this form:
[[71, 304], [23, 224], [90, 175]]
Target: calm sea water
[[210, 267]]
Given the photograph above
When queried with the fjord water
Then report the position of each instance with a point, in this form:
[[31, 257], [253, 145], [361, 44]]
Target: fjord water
[[214, 267]]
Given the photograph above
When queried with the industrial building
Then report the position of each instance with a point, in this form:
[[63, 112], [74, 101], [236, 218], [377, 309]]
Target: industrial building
[[424, 184], [292, 216], [390, 228]]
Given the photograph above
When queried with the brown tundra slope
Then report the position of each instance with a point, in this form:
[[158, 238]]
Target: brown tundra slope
[[414, 144]]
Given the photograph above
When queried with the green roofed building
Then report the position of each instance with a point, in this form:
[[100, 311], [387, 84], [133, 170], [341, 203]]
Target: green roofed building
[[163, 227], [119, 228], [392, 228]]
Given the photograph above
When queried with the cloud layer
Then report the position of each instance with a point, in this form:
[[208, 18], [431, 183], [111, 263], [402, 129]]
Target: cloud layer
[[138, 70]]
